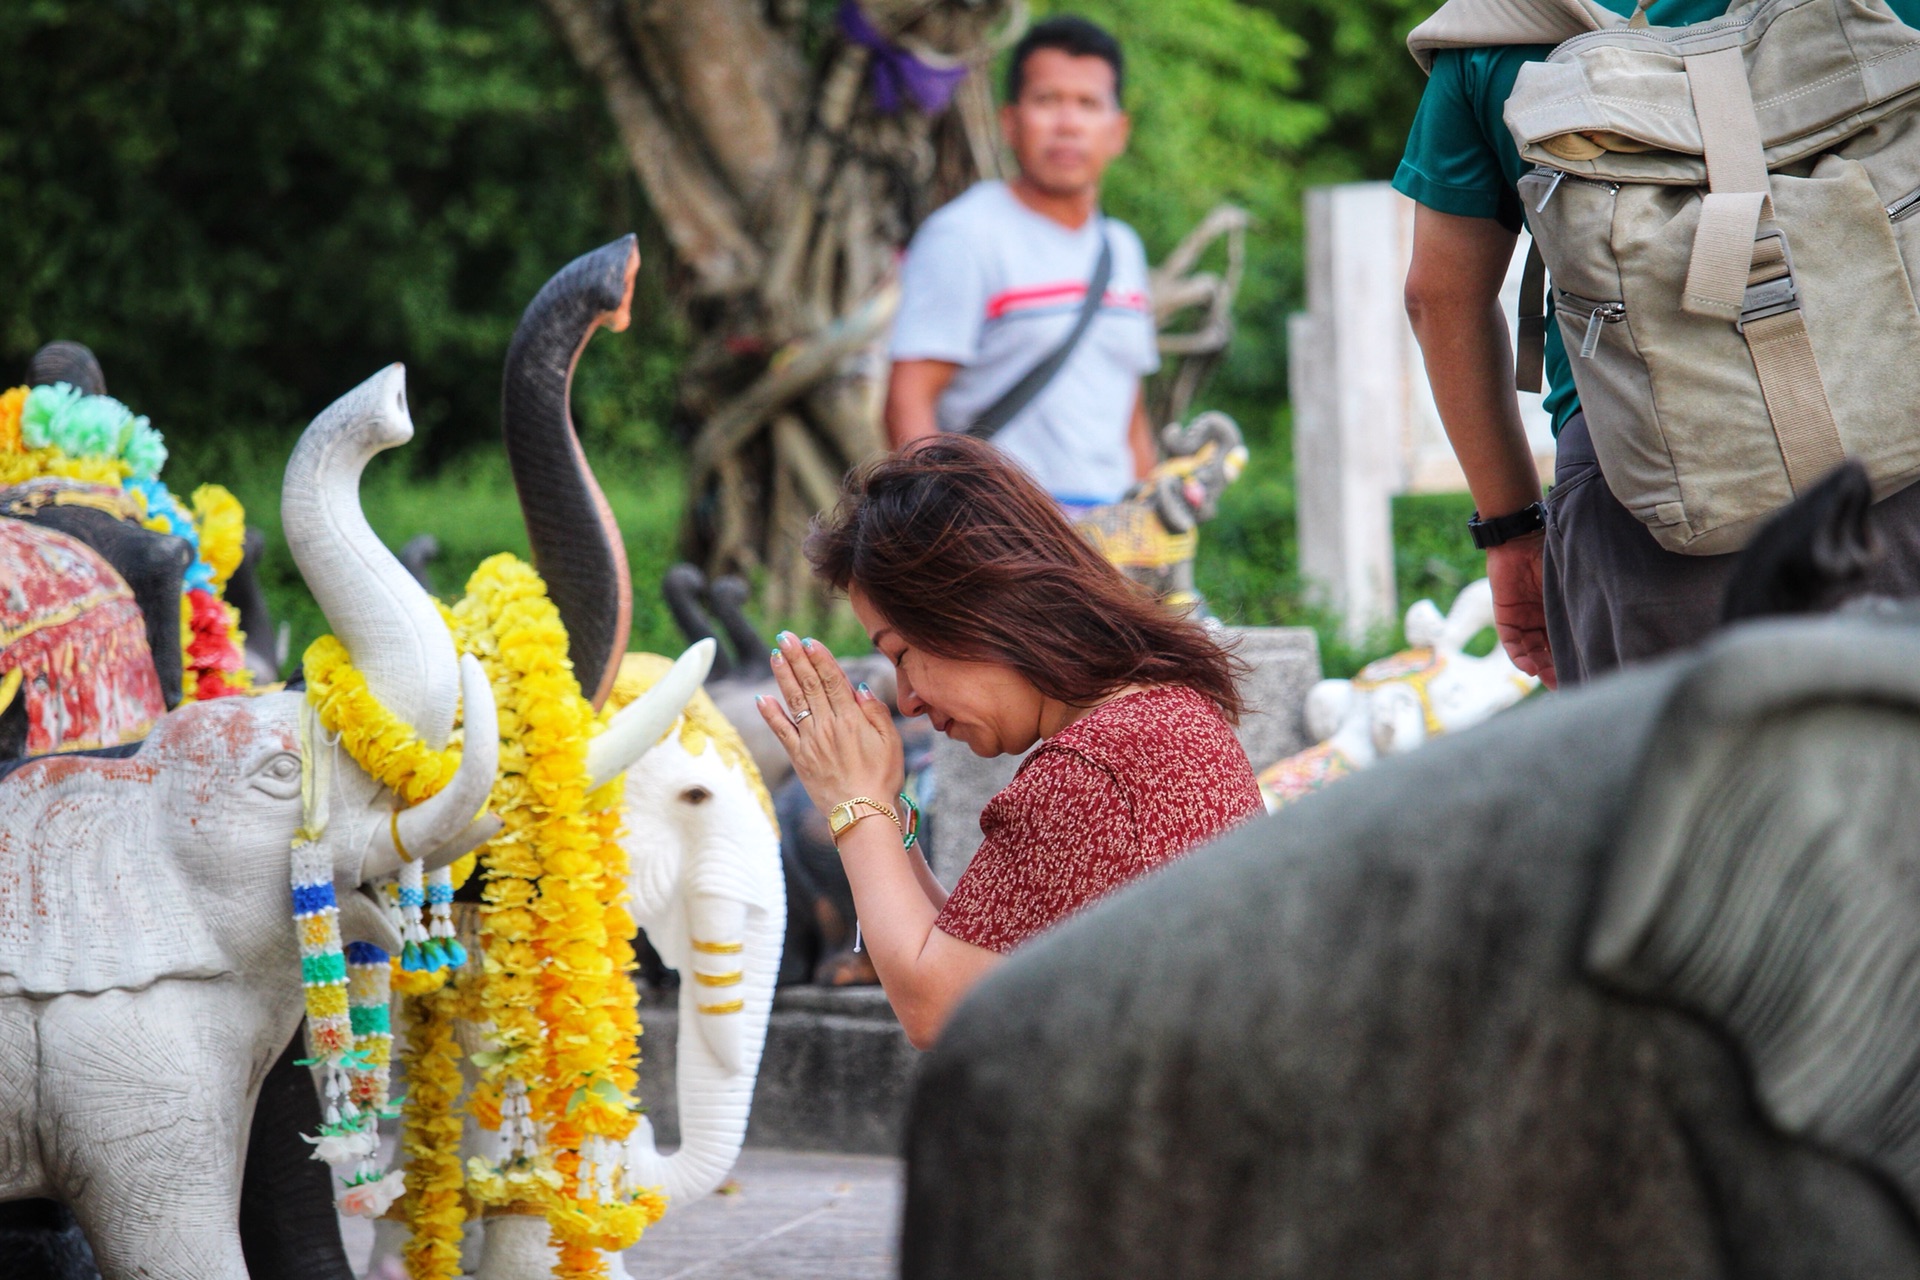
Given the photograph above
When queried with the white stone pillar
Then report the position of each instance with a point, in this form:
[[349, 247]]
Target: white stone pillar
[[1364, 424]]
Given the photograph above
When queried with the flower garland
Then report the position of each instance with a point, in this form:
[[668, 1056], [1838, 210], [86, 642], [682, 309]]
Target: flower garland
[[56, 431], [553, 929], [430, 1136], [347, 1033], [556, 941]]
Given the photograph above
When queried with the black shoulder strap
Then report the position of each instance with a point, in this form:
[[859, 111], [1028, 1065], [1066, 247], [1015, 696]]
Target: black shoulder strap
[[1035, 380]]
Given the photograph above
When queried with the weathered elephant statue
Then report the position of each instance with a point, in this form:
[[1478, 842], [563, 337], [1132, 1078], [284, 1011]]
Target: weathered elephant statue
[[1619, 984], [154, 565], [149, 968]]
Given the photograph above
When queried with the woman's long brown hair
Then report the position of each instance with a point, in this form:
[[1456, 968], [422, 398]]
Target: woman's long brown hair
[[966, 557]]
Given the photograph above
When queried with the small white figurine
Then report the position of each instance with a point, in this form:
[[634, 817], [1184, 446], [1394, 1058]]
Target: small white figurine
[[1396, 703]]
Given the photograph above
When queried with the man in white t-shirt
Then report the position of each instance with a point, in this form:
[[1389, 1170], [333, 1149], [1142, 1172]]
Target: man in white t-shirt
[[994, 281]]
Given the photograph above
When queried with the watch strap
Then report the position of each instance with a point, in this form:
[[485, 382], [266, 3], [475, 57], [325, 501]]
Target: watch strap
[[1502, 529]]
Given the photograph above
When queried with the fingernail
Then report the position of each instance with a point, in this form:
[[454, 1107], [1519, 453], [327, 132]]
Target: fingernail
[[864, 691], [784, 636], [807, 643], [777, 657]]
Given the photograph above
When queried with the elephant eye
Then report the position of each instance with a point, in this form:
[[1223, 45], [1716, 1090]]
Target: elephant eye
[[279, 775], [696, 795]]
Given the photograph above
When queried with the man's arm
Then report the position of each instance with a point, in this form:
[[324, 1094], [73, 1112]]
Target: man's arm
[[1140, 438], [1453, 300], [912, 392]]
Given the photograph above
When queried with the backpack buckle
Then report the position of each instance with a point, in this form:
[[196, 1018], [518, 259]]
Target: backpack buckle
[[1776, 293]]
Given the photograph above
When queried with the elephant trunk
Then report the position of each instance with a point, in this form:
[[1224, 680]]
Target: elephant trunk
[[386, 621], [722, 1032], [570, 528]]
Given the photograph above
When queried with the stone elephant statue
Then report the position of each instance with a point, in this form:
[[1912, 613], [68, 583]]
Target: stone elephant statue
[[149, 968], [155, 564], [705, 885], [1620, 984]]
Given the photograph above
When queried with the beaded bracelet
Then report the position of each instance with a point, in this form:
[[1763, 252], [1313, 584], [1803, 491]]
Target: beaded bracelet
[[910, 836]]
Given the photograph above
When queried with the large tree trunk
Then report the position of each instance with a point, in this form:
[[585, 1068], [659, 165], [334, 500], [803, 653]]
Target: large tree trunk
[[786, 194]]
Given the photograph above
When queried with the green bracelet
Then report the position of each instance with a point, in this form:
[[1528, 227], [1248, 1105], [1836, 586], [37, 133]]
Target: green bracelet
[[912, 811]]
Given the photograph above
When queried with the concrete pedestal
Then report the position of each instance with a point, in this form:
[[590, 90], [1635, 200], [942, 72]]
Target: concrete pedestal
[[835, 1077]]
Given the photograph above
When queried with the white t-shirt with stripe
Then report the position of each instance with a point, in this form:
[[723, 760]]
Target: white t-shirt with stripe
[[992, 286]]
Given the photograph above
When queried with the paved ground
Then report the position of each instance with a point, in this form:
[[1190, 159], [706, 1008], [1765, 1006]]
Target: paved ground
[[788, 1215], [783, 1216]]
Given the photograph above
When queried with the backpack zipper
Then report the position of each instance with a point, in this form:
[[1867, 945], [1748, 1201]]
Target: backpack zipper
[[1905, 207], [1598, 314], [1555, 177]]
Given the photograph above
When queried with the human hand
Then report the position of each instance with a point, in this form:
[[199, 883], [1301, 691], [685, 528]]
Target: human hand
[[841, 740], [1515, 572]]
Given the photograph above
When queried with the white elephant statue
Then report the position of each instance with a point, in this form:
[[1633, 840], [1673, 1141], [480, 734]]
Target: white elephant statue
[[706, 886], [1395, 704]]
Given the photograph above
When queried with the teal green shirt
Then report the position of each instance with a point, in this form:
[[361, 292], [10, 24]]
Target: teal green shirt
[[1460, 159]]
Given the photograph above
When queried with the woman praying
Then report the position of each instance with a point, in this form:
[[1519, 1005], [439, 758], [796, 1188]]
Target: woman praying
[[1008, 630]]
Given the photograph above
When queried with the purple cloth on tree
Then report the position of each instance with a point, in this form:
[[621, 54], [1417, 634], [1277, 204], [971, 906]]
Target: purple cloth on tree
[[898, 74]]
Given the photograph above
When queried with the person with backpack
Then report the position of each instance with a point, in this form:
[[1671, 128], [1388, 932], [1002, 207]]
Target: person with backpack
[[1024, 316], [1718, 200]]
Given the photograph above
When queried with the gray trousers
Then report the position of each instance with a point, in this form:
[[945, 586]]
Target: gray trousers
[[1615, 596]]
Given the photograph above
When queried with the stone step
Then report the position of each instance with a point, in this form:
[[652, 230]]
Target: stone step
[[835, 1077]]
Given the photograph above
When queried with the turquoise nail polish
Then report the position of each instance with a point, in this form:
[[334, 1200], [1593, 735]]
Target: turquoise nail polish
[[773, 653], [807, 643], [864, 689]]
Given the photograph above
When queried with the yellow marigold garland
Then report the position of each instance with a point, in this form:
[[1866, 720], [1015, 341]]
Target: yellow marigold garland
[[433, 1205], [222, 523], [564, 938]]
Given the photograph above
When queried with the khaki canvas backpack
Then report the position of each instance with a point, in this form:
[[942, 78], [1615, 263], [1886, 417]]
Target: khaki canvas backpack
[[1730, 214]]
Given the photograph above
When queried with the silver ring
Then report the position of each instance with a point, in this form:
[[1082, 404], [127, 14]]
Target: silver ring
[[799, 716]]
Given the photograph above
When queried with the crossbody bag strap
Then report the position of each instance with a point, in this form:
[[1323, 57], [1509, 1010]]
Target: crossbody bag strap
[[1035, 380]]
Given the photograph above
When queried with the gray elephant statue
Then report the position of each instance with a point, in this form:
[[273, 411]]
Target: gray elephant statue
[[1621, 983], [1152, 533]]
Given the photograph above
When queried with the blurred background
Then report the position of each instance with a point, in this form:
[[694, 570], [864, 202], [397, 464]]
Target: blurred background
[[246, 207]]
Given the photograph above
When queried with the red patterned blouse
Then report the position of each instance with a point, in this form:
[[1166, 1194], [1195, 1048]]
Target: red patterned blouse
[[1131, 785]]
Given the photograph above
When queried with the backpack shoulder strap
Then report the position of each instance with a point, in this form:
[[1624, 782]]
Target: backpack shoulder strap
[[1468, 24]]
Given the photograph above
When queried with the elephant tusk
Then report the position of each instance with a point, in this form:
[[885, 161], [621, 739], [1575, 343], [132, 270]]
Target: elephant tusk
[[640, 724], [432, 831]]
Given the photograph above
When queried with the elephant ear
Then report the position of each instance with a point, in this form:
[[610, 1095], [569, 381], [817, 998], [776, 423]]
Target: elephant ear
[[89, 900], [1769, 877]]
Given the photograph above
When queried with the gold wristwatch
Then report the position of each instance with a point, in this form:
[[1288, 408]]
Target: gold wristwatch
[[845, 814]]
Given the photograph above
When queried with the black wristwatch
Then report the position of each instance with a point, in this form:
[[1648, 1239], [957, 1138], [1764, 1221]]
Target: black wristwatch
[[1518, 524]]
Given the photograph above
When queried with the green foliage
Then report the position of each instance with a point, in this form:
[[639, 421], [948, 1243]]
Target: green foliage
[[1361, 76], [247, 207]]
